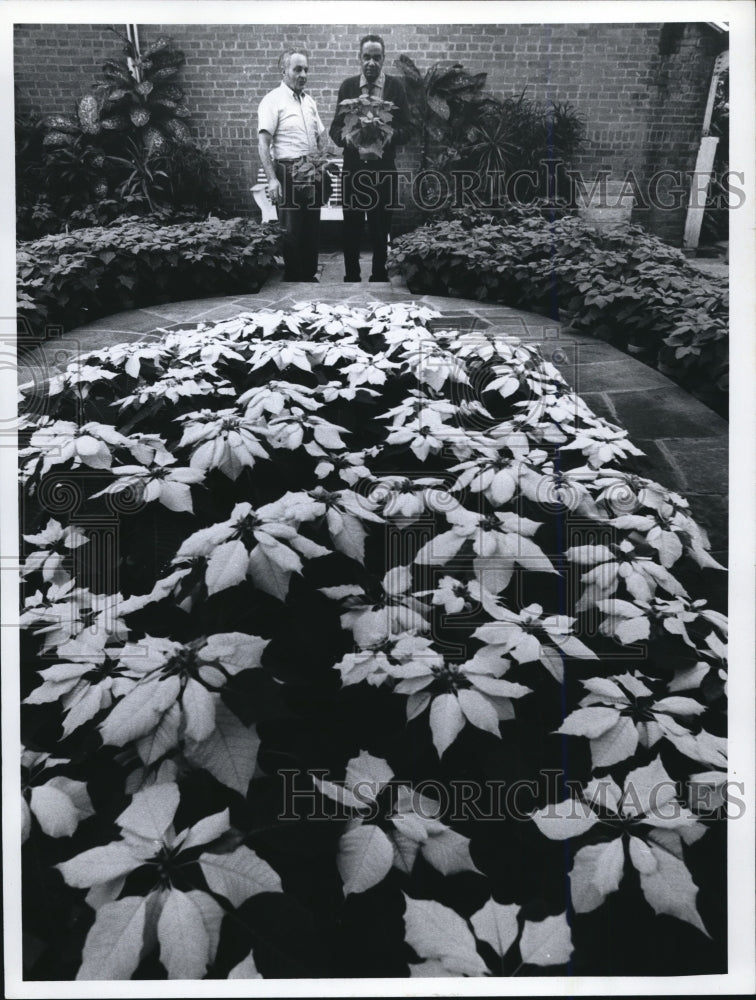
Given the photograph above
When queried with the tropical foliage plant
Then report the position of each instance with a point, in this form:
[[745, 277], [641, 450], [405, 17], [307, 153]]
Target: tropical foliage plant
[[622, 285], [67, 279], [394, 665], [126, 146], [465, 127]]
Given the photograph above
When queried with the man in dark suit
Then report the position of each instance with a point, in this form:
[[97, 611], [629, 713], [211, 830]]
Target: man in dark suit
[[367, 185]]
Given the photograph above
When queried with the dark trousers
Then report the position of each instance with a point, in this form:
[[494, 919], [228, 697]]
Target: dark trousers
[[366, 194], [299, 215]]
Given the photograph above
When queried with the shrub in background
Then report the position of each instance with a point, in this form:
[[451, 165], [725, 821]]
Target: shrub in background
[[465, 127], [71, 278], [126, 147], [622, 285]]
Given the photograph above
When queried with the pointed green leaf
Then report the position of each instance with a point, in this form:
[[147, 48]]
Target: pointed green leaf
[[198, 705], [596, 871], [496, 924], [55, 812], [446, 721], [619, 743], [138, 712], [209, 828], [99, 864], [246, 969], [590, 722], [435, 931], [230, 752], [114, 943], [227, 566], [478, 710], [666, 882], [238, 875], [364, 858], [449, 853], [564, 819], [151, 811], [184, 941], [546, 942]]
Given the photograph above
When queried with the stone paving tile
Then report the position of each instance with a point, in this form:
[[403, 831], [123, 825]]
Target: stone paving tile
[[601, 406], [710, 511], [130, 321], [698, 459], [619, 375], [673, 413], [655, 464]]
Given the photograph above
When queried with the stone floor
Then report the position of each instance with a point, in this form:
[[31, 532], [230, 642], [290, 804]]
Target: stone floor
[[686, 443]]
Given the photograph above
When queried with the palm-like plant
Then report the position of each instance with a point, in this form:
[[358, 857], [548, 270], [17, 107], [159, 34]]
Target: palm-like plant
[[141, 96], [439, 99]]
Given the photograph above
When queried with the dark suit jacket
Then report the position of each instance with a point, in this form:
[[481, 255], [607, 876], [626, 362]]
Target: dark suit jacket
[[393, 90]]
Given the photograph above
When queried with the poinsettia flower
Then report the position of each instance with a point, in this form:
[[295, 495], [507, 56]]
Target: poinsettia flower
[[344, 512], [57, 802], [290, 429], [671, 532], [374, 618], [83, 682], [456, 694], [129, 357], [274, 397], [63, 441], [434, 366], [541, 482], [349, 466], [648, 817], [65, 611], [165, 689], [281, 353], [619, 562], [447, 946], [264, 544], [633, 622], [460, 597], [185, 924], [80, 376], [222, 439], [500, 541], [149, 449], [406, 499], [602, 444], [178, 384], [167, 484], [528, 636], [48, 560], [621, 712], [367, 852]]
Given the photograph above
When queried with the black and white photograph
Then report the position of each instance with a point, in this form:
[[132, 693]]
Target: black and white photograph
[[376, 500]]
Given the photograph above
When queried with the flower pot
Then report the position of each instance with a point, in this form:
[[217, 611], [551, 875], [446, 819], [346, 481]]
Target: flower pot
[[608, 205]]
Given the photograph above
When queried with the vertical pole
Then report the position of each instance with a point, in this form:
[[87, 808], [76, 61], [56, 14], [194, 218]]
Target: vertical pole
[[704, 162], [132, 33]]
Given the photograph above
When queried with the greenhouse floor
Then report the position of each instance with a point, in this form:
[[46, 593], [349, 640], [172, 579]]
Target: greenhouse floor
[[686, 443]]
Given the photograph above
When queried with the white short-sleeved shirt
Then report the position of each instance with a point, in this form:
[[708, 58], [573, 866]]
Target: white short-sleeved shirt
[[293, 122]]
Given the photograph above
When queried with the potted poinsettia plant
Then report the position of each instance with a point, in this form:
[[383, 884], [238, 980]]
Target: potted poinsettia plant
[[317, 169], [367, 125]]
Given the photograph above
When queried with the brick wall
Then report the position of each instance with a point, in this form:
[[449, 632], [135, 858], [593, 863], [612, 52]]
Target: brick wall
[[641, 87]]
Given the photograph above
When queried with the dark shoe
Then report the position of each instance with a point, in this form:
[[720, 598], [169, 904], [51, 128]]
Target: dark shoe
[[309, 281], [352, 278], [378, 277]]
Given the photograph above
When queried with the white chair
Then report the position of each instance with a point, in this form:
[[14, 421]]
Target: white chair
[[331, 212]]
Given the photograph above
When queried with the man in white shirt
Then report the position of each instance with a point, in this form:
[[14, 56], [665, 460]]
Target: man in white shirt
[[289, 130]]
